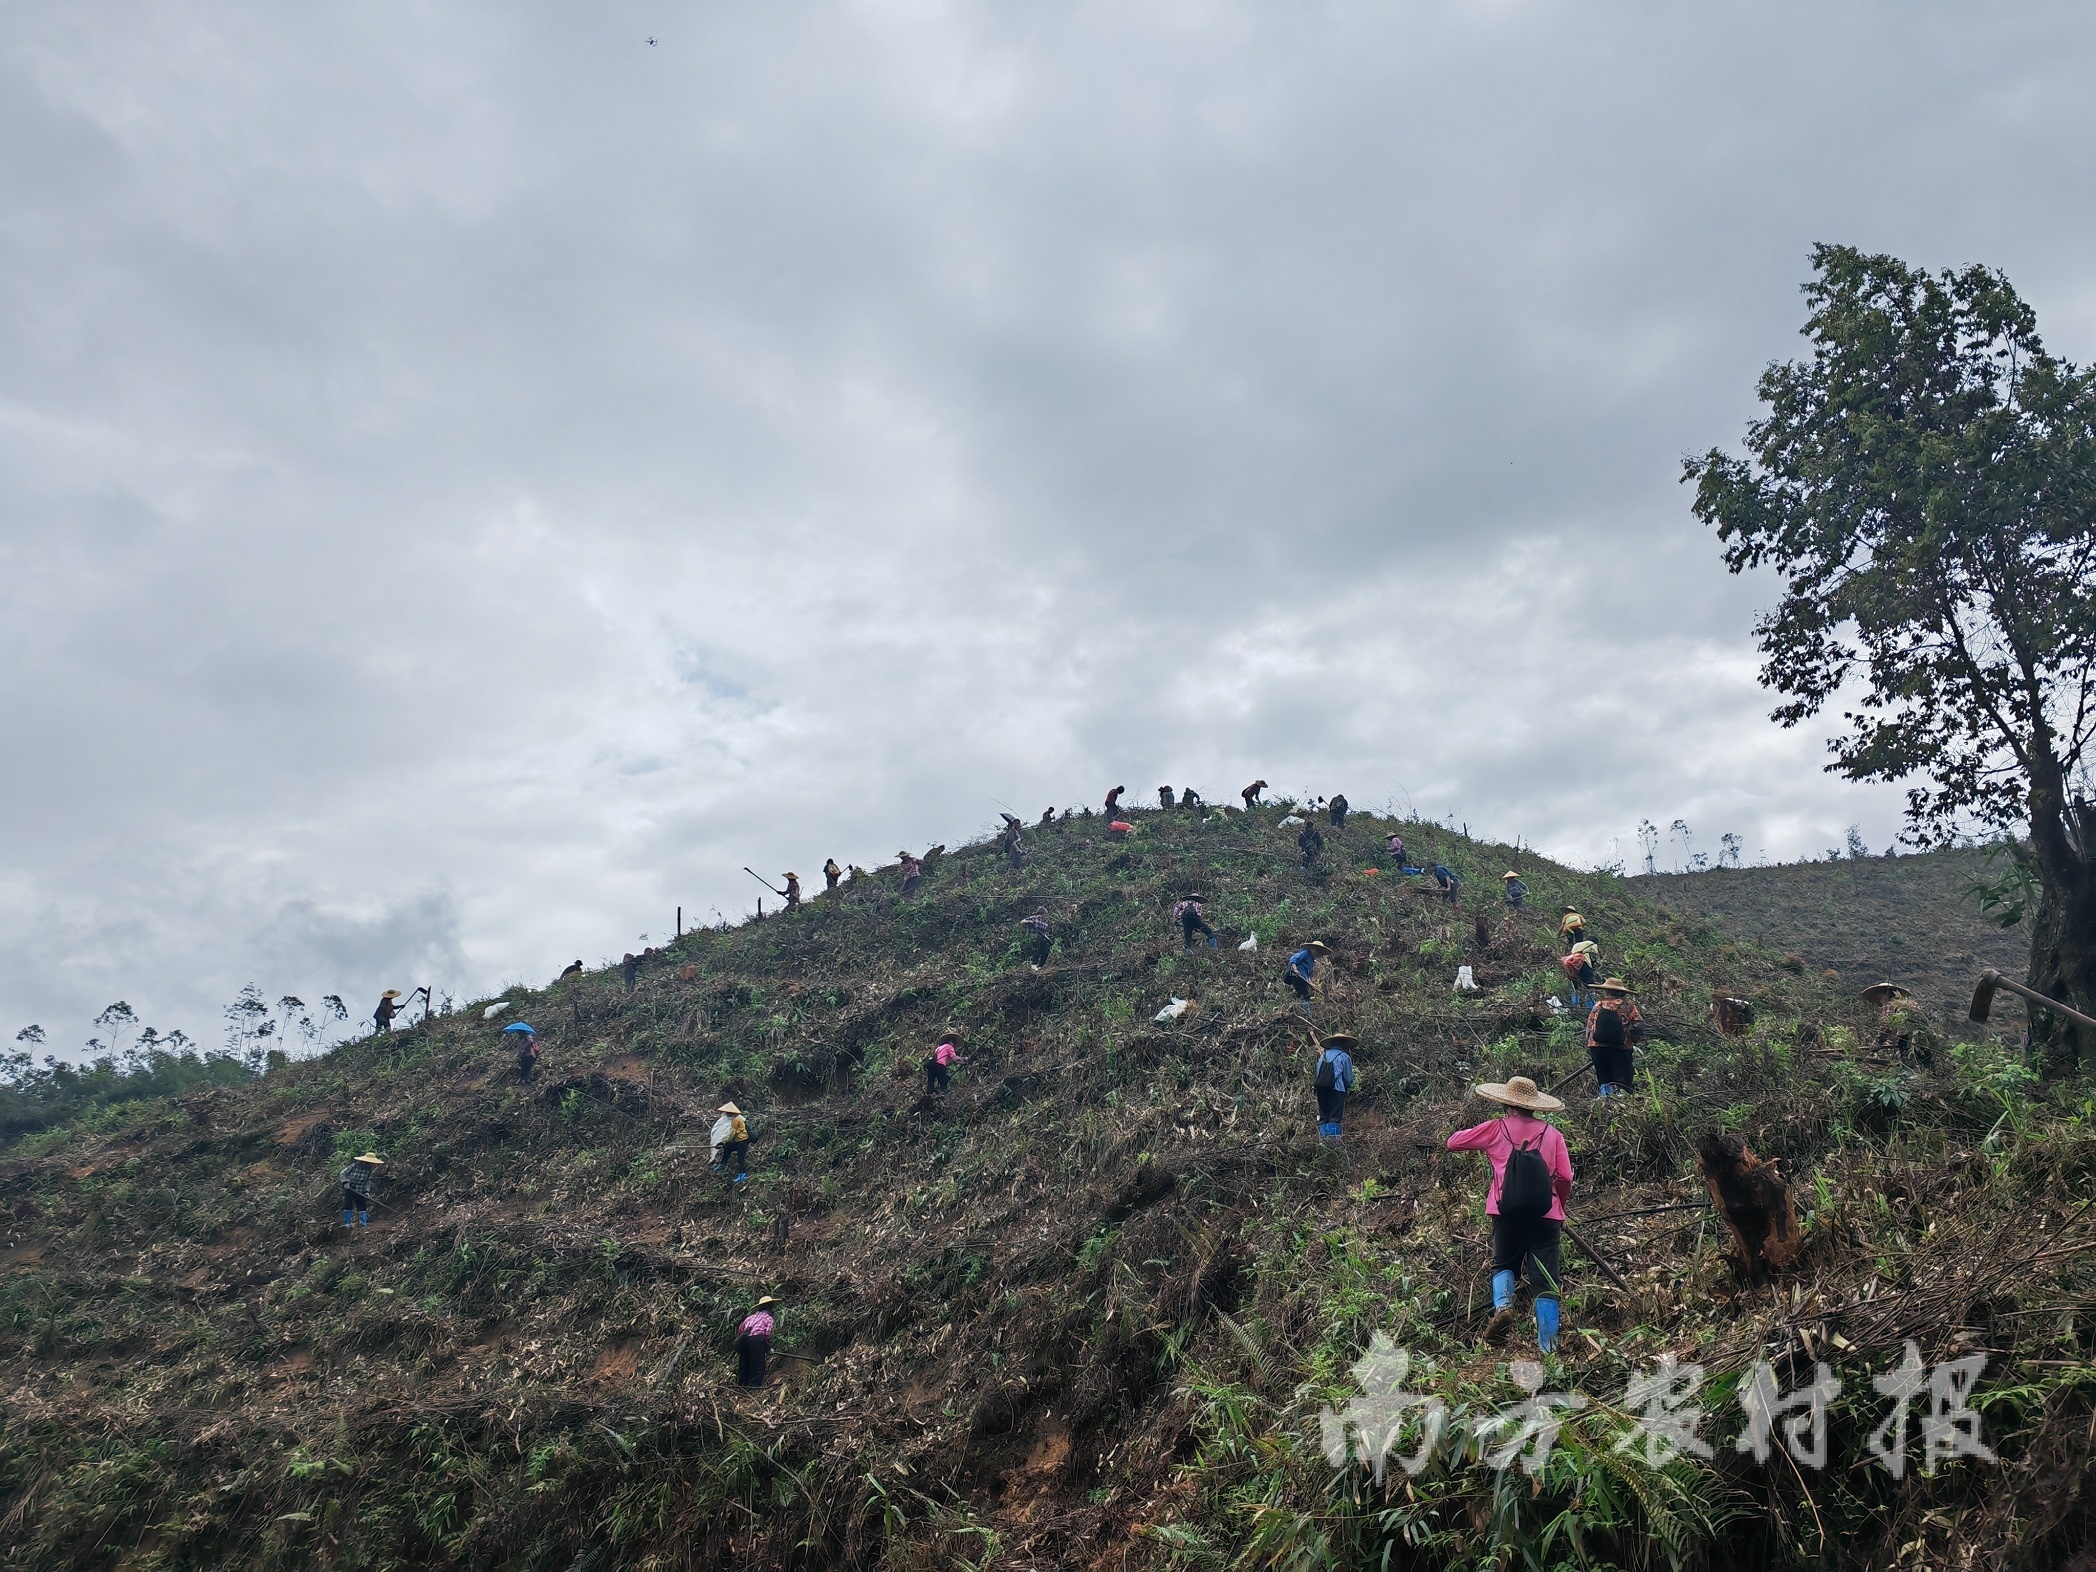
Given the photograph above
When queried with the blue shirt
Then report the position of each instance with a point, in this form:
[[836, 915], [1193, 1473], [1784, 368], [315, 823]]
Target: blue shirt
[[1303, 964], [1342, 1068], [1444, 878]]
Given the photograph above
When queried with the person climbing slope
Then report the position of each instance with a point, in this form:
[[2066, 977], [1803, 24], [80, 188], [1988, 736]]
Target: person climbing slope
[[1609, 1026], [1339, 811], [1571, 927], [793, 891], [734, 1150], [1531, 1181], [1165, 798], [1516, 889], [1192, 919], [1251, 795], [1037, 927], [831, 873], [912, 871], [1113, 801], [938, 1069], [388, 1007], [1446, 882], [360, 1182], [1311, 844], [1578, 968], [753, 1342], [525, 1042], [1333, 1080], [1302, 969]]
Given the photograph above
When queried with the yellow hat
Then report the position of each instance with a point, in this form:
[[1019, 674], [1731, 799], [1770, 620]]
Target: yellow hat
[[766, 1302]]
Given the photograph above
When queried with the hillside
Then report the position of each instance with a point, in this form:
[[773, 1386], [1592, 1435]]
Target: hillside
[[1871, 919], [1083, 1311]]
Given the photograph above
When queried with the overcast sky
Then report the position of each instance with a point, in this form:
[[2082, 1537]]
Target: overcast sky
[[471, 479]]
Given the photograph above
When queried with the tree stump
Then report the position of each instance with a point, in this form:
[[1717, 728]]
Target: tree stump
[[1754, 1200]]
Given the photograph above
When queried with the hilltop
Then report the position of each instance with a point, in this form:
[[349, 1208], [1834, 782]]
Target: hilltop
[[1907, 920], [1085, 1310]]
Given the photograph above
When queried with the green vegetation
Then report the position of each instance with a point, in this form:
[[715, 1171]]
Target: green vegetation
[[1096, 1306]]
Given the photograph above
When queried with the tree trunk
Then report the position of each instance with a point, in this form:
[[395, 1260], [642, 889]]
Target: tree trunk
[[2063, 936]]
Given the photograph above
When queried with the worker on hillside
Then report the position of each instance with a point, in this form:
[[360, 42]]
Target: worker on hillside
[[793, 891], [938, 1069], [1578, 968], [1338, 811], [359, 1184], [1609, 1036], [1113, 802], [1251, 795], [629, 969], [1189, 798], [1446, 882], [1011, 843], [1571, 927], [1516, 889], [731, 1146], [912, 872], [572, 969], [1192, 920], [1037, 927], [1334, 1079], [753, 1342], [1396, 847], [525, 1041], [1898, 1019], [1164, 797], [831, 873], [1302, 969], [1047, 818], [1311, 844], [1531, 1181], [388, 1007]]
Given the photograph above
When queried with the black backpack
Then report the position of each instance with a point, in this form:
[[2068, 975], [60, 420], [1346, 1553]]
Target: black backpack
[[1525, 1192], [1327, 1073], [1608, 1028]]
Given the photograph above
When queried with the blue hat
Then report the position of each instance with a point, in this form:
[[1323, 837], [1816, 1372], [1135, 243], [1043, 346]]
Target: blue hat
[[518, 1026]]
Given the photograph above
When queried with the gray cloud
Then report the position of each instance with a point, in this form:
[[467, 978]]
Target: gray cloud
[[470, 481]]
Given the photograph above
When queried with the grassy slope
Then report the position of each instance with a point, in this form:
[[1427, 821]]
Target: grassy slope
[[1871, 919], [1083, 1312]]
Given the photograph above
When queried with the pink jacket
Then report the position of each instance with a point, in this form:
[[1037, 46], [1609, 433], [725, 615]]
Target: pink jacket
[[757, 1324], [946, 1054], [1496, 1138]]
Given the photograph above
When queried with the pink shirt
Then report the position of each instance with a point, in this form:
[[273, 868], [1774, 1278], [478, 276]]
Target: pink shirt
[[1496, 1138], [946, 1054], [758, 1323]]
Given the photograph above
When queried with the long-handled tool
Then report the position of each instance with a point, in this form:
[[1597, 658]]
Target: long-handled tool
[[753, 873], [1990, 979]]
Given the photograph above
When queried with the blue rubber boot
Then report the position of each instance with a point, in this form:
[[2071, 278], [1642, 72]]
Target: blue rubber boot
[[1502, 1290], [363, 1219], [348, 1219], [1546, 1325]]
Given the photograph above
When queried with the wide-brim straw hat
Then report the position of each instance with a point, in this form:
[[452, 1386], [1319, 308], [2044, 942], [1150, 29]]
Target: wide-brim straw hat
[[1319, 945], [1510, 874], [390, 993], [1614, 985], [1518, 1092], [1193, 895], [1340, 1040], [374, 1159], [766, 1302], [1571, 911], [727, 1108]]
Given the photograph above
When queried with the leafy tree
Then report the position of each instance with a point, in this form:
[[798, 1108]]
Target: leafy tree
[[1926, 485]]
